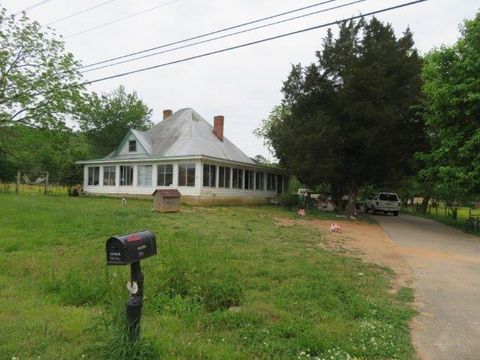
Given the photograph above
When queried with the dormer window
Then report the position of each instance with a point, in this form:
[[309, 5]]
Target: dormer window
[[132, 146]]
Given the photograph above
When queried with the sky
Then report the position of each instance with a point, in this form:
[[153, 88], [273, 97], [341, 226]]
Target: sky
[[243, 85]]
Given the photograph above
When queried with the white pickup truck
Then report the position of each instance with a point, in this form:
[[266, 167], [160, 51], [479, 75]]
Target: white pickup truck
[[383, 202]]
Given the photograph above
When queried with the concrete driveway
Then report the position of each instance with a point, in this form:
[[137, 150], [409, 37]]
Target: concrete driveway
[[446, 269]]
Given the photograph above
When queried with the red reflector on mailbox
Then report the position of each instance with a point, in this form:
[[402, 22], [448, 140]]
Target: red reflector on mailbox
[[134, 237]]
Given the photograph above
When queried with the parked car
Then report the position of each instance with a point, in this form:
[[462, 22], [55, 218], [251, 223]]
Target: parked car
[[383, 202]]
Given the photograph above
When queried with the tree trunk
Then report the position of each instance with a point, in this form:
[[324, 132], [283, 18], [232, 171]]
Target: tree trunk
[[337, 196], [454, 212], [424, 206], [352, 201]]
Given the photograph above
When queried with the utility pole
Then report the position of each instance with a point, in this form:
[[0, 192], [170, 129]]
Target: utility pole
[[17, 186]]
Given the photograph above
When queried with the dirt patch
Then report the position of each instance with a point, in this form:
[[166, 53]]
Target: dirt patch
[[364, 240]]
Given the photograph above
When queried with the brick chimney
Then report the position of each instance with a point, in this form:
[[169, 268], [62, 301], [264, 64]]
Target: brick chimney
[[167, 113], [218, 126]]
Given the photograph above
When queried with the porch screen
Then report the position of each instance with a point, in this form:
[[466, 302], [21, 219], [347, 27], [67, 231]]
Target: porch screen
[[186, 174], [109, 175], [165, 175], [144, 175], [259, 181], [210, 175], [126, 175], [237, 179], [94, 175], [249, 177], [224, 177]]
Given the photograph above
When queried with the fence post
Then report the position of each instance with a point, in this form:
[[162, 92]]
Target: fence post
[[17, 185], [46, 183]]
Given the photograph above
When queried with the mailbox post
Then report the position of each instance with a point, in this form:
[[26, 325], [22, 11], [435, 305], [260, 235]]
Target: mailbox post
[[129, 249]]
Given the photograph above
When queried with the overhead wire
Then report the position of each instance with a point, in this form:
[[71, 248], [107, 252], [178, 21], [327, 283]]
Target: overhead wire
[[222, 36], [33, 6], [210, 53], [80, 12], [251, 22], [251, 43], [121, 19]]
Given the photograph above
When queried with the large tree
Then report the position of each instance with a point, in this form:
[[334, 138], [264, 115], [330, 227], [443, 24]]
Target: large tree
[[106, 118], [452, 116], [39, 80], [350, 118]]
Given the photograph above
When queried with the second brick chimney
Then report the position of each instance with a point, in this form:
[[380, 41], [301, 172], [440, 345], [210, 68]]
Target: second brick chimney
[[167, 113], [218, 126]]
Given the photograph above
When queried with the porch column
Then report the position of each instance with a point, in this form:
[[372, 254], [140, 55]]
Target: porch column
[[100, 176], [154, 175], [175, 175], [117, 176], [85, 176], [135, 176]]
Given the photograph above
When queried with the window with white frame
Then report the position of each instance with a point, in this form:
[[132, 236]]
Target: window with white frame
[[126, 175], [224, 177], [249, 178], [109, 173], [165, 175], [186, 174], [132, 146], [259, 180], [209, 175], [144, 173], [237, 178], [94, 175]]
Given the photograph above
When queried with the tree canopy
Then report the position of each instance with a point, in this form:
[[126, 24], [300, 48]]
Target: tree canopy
[[350, 118], [39, 80], [40, 89], [452, 116], [106, 118]]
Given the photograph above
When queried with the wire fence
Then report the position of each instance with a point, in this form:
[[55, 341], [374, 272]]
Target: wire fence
[[33, 189]]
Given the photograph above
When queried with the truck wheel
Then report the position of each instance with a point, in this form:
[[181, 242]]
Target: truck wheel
[[375, 212], [395, 213]]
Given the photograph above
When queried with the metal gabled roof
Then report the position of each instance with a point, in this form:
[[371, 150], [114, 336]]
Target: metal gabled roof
[[186, 133]]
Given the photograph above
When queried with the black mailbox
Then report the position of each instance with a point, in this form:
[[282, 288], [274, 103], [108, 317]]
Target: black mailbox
[[130, 248]]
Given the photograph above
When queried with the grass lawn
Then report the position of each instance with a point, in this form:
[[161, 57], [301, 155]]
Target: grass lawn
[[446, 218], [228, 283]]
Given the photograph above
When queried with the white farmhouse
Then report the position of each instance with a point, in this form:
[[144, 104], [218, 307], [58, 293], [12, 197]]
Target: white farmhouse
[[183, 152]]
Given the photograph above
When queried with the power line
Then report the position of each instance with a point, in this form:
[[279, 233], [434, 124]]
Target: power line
[[121, 19], [250, 43], [80, 12], [224, 36], [33, 6], [208, 34], [237, 46]]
